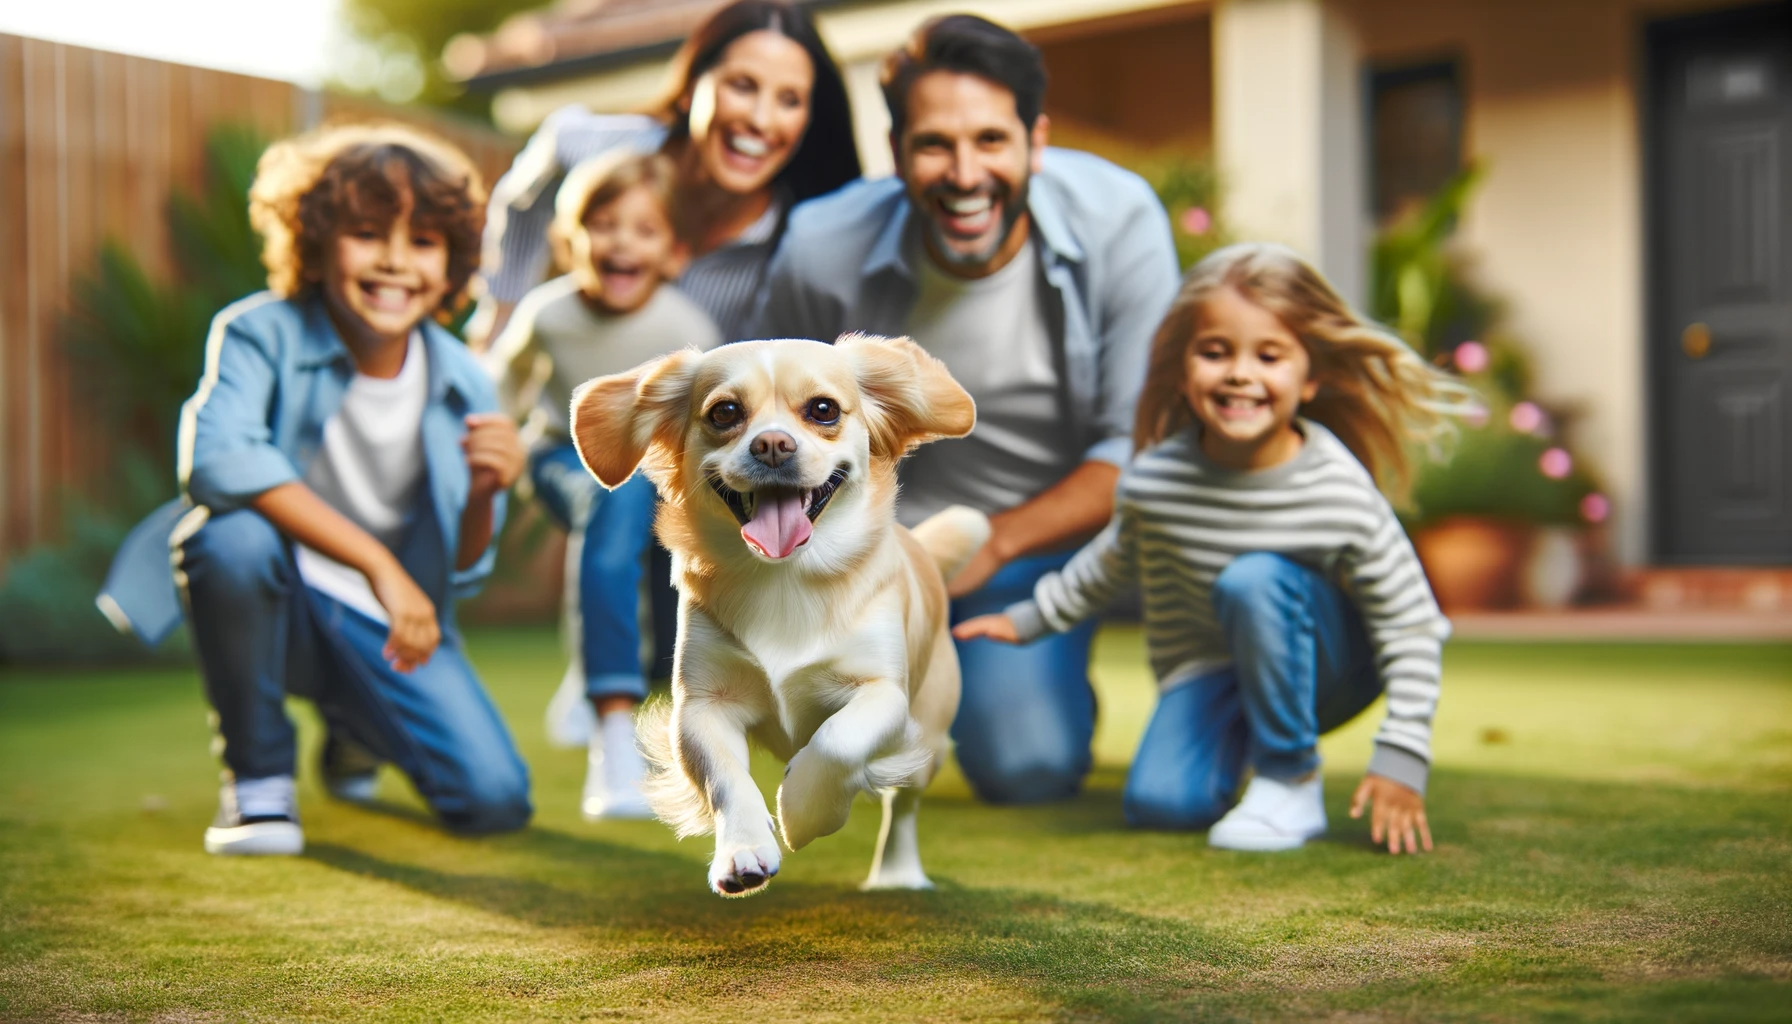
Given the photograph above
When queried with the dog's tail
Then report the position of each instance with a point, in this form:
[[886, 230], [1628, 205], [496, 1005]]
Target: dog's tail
[[670, 791], [952, 535]]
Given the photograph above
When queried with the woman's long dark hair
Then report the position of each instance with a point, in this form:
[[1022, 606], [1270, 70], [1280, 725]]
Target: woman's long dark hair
[[826, 158]]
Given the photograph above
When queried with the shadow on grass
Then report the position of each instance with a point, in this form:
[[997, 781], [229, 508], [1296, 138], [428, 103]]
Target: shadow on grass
[[1077, 954]]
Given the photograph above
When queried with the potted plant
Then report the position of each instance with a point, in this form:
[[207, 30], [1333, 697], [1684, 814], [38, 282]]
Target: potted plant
[[1500, 519]]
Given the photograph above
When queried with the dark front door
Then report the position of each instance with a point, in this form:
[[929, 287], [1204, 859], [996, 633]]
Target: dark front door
[[1720, 337]]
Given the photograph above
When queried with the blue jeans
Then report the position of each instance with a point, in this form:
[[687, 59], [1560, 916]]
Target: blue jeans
[[610, 533], [1301, 666], [1027, 716], [260, 634]]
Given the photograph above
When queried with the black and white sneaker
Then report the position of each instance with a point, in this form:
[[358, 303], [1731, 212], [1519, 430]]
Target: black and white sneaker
[[256, 817]]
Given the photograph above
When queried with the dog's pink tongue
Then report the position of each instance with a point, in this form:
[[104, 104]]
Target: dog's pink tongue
[[778, 526]]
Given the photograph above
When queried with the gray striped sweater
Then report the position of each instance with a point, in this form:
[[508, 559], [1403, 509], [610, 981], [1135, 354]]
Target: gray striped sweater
[[1179, 519]]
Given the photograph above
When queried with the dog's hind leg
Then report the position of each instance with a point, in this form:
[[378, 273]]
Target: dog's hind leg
[[897, 862]]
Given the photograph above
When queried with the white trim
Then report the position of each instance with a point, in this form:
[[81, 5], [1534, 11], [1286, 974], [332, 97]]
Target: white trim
[[214, 347]]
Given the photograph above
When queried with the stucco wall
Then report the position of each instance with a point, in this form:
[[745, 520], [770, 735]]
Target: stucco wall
[[1551, 94]]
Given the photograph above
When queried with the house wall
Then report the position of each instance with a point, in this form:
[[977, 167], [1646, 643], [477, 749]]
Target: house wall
[[1551, 107], [1146, 84]]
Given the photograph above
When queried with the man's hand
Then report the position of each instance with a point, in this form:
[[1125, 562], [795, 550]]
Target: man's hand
[[495, 455], [987, 627], [413, 634], [976, 572], [1399, 814]]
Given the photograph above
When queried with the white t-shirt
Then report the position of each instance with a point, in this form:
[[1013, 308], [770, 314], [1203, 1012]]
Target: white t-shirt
[[371, 469], [994, 334]]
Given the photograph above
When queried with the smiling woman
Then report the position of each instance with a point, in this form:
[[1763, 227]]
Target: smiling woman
[[755, 116]]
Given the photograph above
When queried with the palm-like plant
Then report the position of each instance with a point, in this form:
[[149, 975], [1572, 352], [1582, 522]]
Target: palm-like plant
[[137, 344]]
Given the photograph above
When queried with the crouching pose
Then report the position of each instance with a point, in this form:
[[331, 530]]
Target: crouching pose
[[809, 621], [343, 468], [1281, 597]]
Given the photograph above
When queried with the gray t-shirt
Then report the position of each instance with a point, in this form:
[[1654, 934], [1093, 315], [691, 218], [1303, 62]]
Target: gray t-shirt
[[994, 334], [556, 341]]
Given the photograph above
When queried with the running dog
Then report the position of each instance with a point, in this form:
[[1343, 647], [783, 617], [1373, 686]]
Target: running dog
[[809, 621]]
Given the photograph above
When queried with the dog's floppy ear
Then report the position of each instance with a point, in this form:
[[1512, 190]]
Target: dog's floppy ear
[[617, 419], [910, 396]]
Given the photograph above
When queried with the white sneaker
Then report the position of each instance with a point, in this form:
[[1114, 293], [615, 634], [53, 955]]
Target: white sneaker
[[613, 783], [571, 721], [1273, 815], [256, 817]]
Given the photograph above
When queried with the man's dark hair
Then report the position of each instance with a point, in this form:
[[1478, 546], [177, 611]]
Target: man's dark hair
[[969, 45]]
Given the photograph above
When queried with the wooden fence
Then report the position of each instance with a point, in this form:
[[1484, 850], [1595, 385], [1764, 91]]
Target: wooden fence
[[90, 145]]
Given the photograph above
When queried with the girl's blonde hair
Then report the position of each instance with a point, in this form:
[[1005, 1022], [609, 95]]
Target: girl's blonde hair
[[1375, 393], [602, 180]]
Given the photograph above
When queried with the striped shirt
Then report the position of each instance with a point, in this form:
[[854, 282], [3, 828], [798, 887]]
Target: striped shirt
[[1179, 519], [724, 283]]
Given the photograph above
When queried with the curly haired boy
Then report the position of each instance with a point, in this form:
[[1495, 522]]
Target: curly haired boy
[[343, 465]]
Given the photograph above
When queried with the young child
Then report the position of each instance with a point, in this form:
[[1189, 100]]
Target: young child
[[344, 468], [613, 229], [1281, 596]]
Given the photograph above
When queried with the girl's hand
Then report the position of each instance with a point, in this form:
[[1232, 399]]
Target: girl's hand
[[988, 627], [1398, 812], [495, 455], [413, 634]]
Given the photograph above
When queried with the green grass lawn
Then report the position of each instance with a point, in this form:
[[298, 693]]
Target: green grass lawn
[[1614, 828]]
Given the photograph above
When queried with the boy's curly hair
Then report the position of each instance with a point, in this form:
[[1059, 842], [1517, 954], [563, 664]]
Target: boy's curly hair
[[311, 187]]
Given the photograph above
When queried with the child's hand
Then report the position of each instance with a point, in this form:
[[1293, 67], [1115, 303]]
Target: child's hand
[[414, 633], [1398, 812], [989, 627], [495, 455]]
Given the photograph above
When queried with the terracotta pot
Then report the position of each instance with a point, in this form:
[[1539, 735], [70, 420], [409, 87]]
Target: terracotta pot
[[1473, 563]]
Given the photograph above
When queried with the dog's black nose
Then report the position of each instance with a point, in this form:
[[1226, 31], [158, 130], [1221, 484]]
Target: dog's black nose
[[774, 448]]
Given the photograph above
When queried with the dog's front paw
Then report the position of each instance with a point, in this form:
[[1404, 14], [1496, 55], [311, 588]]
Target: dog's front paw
[[815, 799], [742, 870]]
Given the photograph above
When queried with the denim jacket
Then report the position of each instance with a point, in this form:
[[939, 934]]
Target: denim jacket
[[275, 372], [1104, 246]]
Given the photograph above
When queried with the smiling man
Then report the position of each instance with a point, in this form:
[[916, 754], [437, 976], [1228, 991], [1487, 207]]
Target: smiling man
[[1038, 276]]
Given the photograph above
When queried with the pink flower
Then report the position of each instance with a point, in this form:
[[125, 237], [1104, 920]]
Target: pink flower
[[1471, 357], [1526, 418], [1195, 221], [1595, 507], [1476, 415], [1556, 463]]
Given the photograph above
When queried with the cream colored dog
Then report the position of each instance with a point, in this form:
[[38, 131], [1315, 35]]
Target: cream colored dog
[[809, 621]]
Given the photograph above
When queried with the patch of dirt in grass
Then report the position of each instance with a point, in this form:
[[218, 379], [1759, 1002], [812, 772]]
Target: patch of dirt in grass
[[1350, 963]]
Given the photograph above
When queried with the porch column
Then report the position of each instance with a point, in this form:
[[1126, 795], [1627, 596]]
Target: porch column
[[1288, 132], [870, 117]]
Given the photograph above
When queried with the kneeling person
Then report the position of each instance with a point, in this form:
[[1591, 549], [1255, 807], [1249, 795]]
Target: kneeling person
[[613, 229], [344, 467]]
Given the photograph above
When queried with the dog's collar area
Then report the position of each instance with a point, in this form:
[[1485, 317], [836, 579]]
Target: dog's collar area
[[744, 503]]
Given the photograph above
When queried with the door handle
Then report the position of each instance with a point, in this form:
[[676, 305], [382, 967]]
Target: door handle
[[1695, 341]]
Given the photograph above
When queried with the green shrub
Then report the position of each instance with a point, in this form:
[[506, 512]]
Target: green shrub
[[138, 345]]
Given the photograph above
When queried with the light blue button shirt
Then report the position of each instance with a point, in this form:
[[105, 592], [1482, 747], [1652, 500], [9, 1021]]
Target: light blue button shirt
[[1105, 250], [275, 372]]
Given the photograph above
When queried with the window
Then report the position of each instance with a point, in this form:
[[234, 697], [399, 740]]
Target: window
[[1415, 134]]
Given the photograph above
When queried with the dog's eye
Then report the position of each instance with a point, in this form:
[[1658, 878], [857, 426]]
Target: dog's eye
[[824, 411], [723, 415]]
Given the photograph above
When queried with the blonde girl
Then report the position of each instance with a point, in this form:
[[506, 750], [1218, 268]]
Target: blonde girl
[[1281, 596]]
